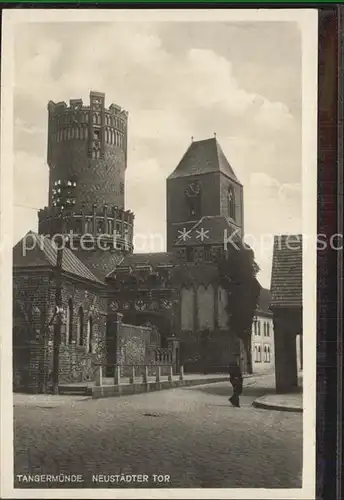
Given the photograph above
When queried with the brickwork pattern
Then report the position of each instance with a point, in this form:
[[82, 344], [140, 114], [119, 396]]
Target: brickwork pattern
[[76, 363], [98, 180], [34, 303], [32, 310]]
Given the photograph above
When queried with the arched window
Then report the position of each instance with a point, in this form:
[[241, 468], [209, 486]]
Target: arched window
[[69, 322], [268, 329], [259, 355], [80, 330], [89, 334], [258, 324], [110, 226], [88, 226], [269, 354], [264, 328], [265, 354], [231, 202]]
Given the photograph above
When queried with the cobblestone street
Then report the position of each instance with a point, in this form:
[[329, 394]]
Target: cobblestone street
[[191, 434]]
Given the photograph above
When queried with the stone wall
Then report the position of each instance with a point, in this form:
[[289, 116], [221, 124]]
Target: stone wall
[[133, 347], [31, 313]]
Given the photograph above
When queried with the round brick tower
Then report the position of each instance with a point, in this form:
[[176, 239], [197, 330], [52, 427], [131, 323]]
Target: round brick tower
[[87, 153]]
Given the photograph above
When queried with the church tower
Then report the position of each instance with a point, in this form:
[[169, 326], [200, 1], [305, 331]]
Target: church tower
[[203, 185], [87, 159]]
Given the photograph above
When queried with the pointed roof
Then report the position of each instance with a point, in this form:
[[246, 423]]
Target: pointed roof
[[203, 157], [286, 276], [40, 252]]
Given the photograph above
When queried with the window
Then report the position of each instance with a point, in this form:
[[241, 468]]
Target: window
[[268, 329], [110, 226], [255, 327], [89, 334], [264, 328], [207, 254], [265, 354], [69, 322], [231, 202], [258, 324], [80, 329], [268, 354], [257, 354], [88, 226]]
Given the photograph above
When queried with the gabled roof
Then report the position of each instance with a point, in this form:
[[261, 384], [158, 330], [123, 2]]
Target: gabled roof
[[209, 230], [41, 252], [203, 157], [286, 277], [142, 260], [264, 301]]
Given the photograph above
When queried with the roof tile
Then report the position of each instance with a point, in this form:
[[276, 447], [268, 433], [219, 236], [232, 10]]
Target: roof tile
[[286, 277], [204, 157], [44, 254]]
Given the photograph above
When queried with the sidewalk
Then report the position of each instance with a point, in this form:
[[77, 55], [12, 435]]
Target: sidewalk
[[282, 402], [73, 393]]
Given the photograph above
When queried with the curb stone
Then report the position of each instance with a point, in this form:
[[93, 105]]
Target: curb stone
[[270, 406]]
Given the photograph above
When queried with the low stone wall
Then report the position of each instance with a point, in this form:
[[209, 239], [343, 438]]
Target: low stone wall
[[137, 388]]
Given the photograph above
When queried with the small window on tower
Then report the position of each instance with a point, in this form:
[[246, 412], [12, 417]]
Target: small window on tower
[[231, 202]]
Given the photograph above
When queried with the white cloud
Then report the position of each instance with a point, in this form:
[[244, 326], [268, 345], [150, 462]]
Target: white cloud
[[170, 96], [30, 180]]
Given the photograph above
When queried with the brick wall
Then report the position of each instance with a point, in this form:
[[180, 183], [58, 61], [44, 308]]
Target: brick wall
[[76, 363], [98, 180], [34, 303], [31, 312]]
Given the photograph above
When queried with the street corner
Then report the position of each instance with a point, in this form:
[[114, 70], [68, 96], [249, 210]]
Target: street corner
[[284, 402]]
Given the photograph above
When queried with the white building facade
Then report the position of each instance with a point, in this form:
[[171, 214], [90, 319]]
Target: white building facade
[[263, 354]]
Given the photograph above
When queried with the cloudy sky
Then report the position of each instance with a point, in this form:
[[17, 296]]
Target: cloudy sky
[[241, 80]]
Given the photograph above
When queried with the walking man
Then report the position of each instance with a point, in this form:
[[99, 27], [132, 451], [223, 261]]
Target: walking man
[[236, 379]]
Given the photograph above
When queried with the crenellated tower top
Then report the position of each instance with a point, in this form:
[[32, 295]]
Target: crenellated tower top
[[87, 158]]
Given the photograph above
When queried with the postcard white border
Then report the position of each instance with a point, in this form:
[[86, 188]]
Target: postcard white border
[[308, 23]]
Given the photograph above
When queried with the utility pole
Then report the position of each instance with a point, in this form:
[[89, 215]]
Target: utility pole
[[62, 198]]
